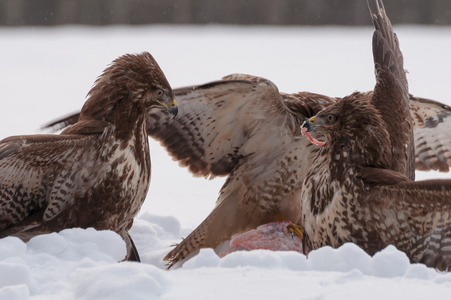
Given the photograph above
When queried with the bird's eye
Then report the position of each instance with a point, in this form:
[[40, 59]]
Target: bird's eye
[[159, 93], [330, 118]]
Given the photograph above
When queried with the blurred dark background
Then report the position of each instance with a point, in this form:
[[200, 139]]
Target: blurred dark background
[[238, 12]]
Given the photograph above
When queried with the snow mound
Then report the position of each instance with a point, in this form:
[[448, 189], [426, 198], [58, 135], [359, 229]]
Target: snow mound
[[83, 264], [125, 280], [78, 243], [387, 263], [15, 292], [46, 261]]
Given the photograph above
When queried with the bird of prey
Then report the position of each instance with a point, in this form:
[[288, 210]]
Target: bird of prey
[[242, 127], [96, 172], [350, 193], [353, 191]]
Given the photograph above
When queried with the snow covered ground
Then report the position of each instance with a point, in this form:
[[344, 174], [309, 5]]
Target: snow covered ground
[[46, 73]]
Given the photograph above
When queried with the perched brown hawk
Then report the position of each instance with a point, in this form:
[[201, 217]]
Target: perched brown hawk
[[354, 192], [242, 127], [96, 172]]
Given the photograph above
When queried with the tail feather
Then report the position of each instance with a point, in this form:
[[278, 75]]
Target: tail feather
[[436, 248], [225, 220]]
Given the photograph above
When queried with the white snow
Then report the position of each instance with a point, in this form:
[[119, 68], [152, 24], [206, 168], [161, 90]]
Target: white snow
[[45, 73]]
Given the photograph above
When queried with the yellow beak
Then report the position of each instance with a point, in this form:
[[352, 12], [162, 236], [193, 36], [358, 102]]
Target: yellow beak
[[312, 119], [172, 108]]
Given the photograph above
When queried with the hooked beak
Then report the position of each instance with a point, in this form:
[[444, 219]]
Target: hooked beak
[[172, 108], [308, 126]]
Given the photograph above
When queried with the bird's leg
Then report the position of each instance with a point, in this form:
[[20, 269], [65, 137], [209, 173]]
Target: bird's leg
[[132, 252], [293, 229]]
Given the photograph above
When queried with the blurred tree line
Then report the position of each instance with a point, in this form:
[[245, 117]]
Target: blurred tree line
[[270, 12]]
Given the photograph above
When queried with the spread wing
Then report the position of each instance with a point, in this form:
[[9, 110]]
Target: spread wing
[[218, 120], [62, 123], [272, 155], [34, 181], [390, 95], [412, 215], [432, 123], [422, 211]]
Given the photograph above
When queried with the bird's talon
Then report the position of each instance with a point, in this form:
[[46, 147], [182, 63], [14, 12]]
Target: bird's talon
[[294, 229]]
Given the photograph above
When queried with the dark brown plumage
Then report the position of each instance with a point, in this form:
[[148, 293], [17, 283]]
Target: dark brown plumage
[[96, 172], [391, 96], [355, 193]]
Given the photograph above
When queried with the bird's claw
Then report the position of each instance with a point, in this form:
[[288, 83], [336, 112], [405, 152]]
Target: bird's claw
[[295, 229]]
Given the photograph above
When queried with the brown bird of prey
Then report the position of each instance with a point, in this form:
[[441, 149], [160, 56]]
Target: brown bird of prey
[[353, 191], [96, 172], [242, 127], [350, 193]]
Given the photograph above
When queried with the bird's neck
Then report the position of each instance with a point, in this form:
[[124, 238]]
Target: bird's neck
[[331, 171], [133, 138], [129, 121], [128, 129]]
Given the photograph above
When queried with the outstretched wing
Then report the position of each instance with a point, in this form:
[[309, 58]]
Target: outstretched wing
[[390, 95], [218, 121], [26, 188], [62, 123], [214, 128], [432, 122], [422, 211]]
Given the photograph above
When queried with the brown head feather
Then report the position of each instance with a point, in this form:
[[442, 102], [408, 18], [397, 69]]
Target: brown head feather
[[358, 129], [136, 78]]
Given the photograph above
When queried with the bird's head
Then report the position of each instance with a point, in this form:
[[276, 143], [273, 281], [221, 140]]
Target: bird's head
[[132, 84], [351, 118], [317, 123]]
